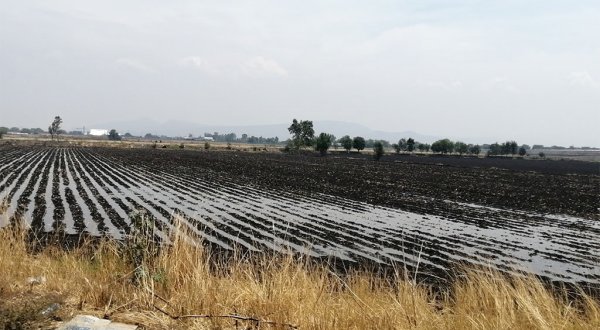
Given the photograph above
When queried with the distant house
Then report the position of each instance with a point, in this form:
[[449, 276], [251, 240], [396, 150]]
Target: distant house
[[208, 138], [98, 132]]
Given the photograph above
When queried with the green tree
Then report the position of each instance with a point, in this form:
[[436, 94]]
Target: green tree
[[410, 144], [378, 150], [424, 147], [113, 135], [474, 149], [522, 151], [495, 149], [323, 142], [54, 128], [542, 154], [514, 147], [402, 145], [509, 147], [358, 143], [302, 132], [346, 142], [461, 147], [3, 130], [333, 141], [444, 146]]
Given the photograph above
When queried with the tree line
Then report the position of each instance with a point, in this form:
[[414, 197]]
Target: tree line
[[303, 136], [232, 137]]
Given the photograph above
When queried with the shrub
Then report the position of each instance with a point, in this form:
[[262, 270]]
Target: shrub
[[206, 145]]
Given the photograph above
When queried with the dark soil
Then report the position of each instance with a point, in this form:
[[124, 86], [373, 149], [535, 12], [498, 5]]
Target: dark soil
[[408, 182], [253, 199]]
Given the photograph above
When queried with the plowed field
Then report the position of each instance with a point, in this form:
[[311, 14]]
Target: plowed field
[[401, 210]]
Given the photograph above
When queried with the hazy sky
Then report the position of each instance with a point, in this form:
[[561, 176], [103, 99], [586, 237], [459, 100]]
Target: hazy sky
[[528, 70]]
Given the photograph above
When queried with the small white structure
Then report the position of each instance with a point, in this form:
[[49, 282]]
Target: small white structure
[[98, 132]]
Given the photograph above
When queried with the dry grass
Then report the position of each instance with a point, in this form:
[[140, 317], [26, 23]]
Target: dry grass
[[103, 280], [135, 143]]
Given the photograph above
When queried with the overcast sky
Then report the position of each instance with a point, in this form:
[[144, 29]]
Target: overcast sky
[[524, 70]]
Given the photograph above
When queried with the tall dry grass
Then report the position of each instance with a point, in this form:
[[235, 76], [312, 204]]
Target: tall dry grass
[[146, 286]]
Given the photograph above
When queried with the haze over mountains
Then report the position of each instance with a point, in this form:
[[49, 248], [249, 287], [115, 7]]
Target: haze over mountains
[[183, 128]]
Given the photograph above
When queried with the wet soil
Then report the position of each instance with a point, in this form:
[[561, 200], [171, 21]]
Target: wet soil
[[425, 213], [544, 186]]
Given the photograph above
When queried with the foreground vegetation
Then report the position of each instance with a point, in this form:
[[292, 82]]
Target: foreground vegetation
[[184, 286]]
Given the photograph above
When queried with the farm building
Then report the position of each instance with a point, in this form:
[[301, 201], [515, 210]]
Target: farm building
[[98, 132]]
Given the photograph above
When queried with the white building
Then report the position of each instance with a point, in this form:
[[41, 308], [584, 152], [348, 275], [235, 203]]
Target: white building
[[98, 132]]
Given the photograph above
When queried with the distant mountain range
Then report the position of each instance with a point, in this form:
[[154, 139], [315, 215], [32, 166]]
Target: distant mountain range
[[182, 128]]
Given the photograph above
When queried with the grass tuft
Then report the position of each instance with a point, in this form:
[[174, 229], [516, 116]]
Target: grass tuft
[[183, 286]]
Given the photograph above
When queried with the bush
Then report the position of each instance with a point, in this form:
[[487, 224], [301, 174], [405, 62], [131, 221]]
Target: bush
[[542, 155], [378, 149], [206, 145]]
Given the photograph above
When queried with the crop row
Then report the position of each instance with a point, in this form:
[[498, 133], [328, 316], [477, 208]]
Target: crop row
[[95, 191]]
